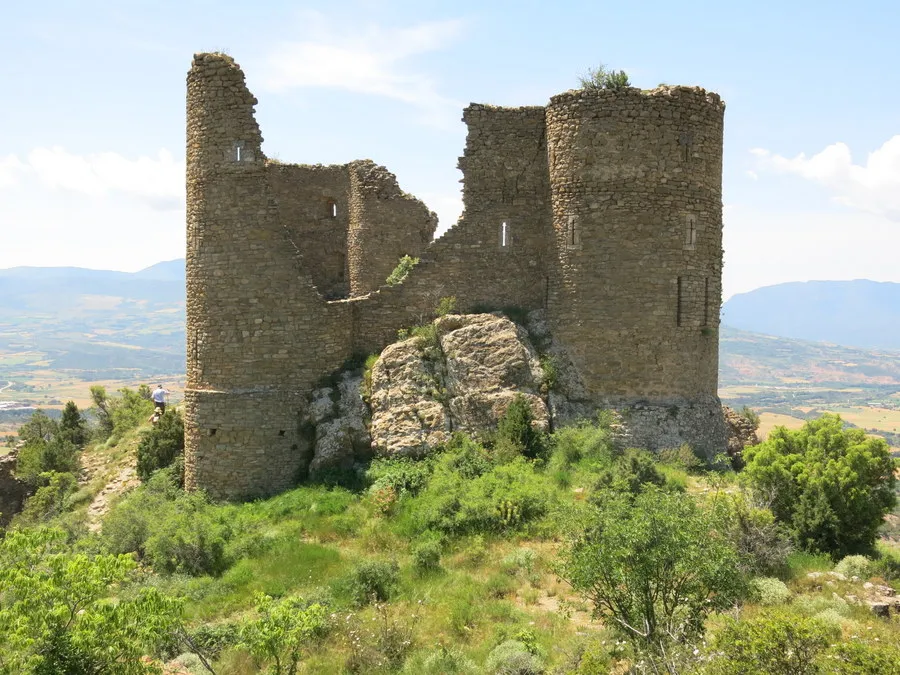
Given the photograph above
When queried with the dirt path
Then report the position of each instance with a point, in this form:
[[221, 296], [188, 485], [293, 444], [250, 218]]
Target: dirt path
[[124, 479]]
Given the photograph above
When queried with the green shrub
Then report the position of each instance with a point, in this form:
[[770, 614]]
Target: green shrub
[[50, 500], [631, 473], [855, 566], [427, 555], [549, 373], [214, 638], [602, 77], [57, 455], [402, 270], [446, 305], [653, 565], [192, 538], [161, 444], [406, 476], [516, 433], [832, 486], [366, 387], [502, 499], [499, 585], [513, 658], [442, 661], [771, 644], [682, 457], [374, 581], [281, 631], [57, 614], [521, 560], [770, 591], [763, 544], [860, 658]]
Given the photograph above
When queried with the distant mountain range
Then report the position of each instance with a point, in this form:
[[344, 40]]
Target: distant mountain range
[[856, 313]]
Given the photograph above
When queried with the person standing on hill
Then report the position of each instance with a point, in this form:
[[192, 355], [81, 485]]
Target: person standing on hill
[[159, 397]]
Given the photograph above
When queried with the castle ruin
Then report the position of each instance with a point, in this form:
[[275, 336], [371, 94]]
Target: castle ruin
[[603, 208]]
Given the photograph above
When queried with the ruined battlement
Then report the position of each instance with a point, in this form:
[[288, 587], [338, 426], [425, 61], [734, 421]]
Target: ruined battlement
[[602, 208]]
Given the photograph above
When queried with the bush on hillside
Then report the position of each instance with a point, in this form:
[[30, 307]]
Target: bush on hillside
[[516, 434], [777, 643], [39, 457], [502, 498], [855, 566], [831, 486], [160, 445], [374, 581], [50, 500], [653, 565], [513, 658]]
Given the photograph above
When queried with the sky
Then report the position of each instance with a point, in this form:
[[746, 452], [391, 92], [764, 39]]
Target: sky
[[92, 109]]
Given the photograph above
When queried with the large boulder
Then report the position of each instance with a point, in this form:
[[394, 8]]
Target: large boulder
[[339, 415], [462, 380]]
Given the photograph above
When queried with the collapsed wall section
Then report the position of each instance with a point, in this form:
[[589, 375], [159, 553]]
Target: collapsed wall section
[[495, 256], [385, 225], [258, 333], [635, 284]]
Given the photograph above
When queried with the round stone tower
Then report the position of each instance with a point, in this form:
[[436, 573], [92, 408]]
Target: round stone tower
[[635, 286]]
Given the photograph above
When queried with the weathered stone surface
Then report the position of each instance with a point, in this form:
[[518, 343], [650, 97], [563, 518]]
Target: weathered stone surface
[[466, 385], [12, 491], [339, 415], [741, 433]]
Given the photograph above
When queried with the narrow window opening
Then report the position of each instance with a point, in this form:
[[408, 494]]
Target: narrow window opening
[[572, 235], [504, 235], [690, 240], [678, 305], [212, 432], [281, 432], [686, 141], [706, 302], [238, 153], [332, 208]]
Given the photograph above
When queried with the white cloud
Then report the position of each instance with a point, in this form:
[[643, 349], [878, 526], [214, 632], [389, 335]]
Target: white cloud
[[873, 187], [10, 168], [155, 181], [369, 60]]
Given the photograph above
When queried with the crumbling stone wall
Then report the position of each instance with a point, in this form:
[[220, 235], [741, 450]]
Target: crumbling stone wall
[[385, 224], [604, 209]]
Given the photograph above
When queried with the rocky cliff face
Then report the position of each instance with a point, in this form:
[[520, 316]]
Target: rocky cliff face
[[462, 380], [12, 491]]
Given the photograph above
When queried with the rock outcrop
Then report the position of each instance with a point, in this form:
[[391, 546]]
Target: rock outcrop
[[12, 491], [741, 434], [339, 418], [463, 380]]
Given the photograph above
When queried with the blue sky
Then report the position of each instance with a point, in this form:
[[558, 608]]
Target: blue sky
[[92, 106]]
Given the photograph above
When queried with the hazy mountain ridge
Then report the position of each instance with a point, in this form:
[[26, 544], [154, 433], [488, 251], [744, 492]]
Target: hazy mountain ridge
[[858, 313]]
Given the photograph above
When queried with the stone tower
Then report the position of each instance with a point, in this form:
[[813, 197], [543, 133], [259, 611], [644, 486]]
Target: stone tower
[[635, 288]]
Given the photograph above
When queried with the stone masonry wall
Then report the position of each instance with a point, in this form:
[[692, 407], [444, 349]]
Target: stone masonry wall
[[385, 224], [314, 208]]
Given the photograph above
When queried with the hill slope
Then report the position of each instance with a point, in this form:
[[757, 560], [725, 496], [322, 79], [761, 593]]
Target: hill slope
[[860, 313]]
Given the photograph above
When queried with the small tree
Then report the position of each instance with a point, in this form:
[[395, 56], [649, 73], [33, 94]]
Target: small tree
[[72, 425], [283, 628], [39, 428], [654, 566], [602, 77], [516, 433], [832, 486], [56, 616]]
